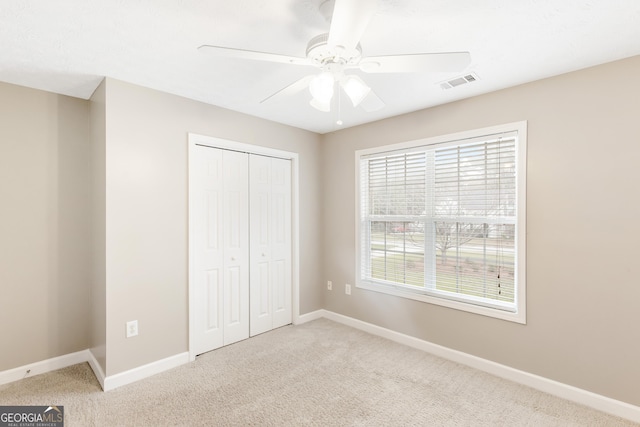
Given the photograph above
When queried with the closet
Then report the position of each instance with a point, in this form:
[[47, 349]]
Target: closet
[[240, 254]]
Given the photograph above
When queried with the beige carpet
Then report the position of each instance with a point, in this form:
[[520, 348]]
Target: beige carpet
[[320, 373]]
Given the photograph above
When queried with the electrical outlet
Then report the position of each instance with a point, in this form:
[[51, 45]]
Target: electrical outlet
[[132, 328], [329, 285], [347, 289]]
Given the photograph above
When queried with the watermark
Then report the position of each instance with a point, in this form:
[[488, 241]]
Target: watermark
[[31, 416]]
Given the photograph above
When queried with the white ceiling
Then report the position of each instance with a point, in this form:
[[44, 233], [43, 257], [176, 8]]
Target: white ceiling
[[67, 46]]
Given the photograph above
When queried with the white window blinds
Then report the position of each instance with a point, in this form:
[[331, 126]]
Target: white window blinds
[[396, 207], [441, 220]]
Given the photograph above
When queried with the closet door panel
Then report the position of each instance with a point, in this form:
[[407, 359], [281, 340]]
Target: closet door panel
[[261, 306], [208, 248], [270, 231], [236, 246], [281, 241]]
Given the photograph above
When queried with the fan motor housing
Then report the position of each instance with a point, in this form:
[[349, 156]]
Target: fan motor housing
[[321, 53]]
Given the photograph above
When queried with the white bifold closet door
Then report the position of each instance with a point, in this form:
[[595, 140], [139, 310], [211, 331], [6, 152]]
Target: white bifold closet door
[[270, 243], [221, 249], [241, 249]]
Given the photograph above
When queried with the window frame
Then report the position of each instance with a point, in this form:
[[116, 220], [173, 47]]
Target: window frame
[[462, 303]]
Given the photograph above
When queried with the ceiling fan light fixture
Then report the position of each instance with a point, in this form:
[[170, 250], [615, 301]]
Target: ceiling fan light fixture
[[320, 105], [356, 89], [321, 87]]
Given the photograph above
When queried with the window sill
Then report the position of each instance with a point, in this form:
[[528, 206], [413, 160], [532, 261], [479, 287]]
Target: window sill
[[518, 317]]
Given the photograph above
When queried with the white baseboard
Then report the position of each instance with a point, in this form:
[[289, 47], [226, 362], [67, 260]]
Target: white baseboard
[[107, 383], [308, 317], [144, 371], [96, 368], [43, 366], [564, 391]]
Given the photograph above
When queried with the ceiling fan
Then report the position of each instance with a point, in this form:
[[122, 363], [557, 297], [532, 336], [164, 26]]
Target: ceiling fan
[[338, 51]]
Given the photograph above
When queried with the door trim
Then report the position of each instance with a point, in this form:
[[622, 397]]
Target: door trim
[[209, 141]]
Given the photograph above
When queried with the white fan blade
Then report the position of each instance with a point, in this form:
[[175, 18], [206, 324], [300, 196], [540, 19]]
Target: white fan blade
[[349, 21], [252, 55], [419, 62], [371, 102], [292, 89]]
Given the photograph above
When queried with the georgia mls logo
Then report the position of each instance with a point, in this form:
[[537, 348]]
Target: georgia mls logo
[[31, 416], [54, 408]]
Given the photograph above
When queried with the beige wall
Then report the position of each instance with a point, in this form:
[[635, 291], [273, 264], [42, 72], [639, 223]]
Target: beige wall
[[583, 230], [146, 214], [44, 226]]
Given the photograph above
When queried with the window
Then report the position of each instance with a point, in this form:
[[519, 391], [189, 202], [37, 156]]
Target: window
[[442, 220]]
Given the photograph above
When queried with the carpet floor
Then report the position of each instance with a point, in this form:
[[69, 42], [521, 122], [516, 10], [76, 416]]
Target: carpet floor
[[317, 374]]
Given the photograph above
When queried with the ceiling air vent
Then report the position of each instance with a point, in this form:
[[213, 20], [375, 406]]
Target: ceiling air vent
[[468, 78]]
